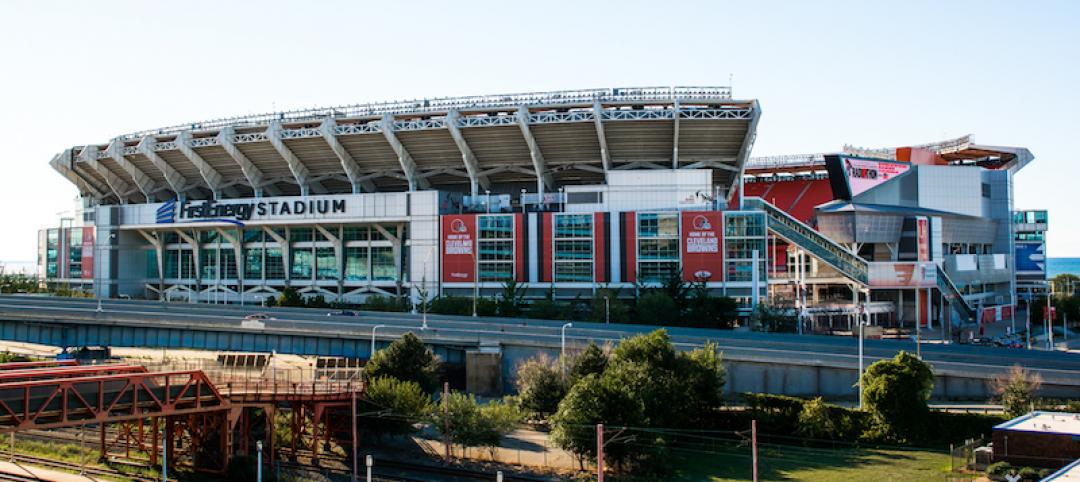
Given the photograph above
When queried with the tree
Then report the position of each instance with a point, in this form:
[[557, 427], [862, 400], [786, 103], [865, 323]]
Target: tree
[[399, 405], [895, 392], [708, 311], [773, 319], [540, 386], [290, 297], [1016, 389], [590, 361], [406, 359], [815, 421], [475, 425], [657, 308], [511, 299], [606, 306], [645, 383]]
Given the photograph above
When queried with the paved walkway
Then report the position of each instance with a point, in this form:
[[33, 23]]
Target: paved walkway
[[38, 473]]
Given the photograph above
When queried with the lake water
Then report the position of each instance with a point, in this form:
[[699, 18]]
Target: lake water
[[1056, 266]]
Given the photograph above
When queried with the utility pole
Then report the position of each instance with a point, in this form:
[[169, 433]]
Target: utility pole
[[599, 452], [446, 421], [860, 323], [354, 436], [369, 461], [258, 467], [753, 443]]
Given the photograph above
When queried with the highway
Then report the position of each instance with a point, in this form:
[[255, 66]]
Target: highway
[[818, 350]]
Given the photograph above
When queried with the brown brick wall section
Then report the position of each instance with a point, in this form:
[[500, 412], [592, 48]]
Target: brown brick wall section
[[1035, 449]]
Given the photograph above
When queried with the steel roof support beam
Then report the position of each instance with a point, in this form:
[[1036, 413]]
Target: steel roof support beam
[[62, 164], [408, 165], [212, 177], [174, 179], [141, 180], [252, 173], [299, 170], [605, 155], [116, 185], [675, 138], [472, 166], [352, 169], [544, 181], [744, 153]]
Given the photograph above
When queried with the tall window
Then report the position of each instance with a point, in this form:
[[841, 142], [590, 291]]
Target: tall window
[[325, 264], [253, 259], [658, 246], [356, 263], [573, 251], [208, 260], [382, 263], [275, 265], [743, 234], [75, 253], [52, 244], [496, 247], [301, 263], [187, 264], [228, 263]]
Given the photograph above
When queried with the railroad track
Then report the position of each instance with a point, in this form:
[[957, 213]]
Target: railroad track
[[67, 467]]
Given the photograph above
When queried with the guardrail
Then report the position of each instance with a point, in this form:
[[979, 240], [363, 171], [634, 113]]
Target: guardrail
[[443, 104]]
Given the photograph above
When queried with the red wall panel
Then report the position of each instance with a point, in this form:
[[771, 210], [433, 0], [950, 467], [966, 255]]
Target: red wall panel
[[458, 246], [702, 242], [629, 230]]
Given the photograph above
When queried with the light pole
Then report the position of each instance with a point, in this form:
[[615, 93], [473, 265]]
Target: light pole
[[370, 461], [860, 323], [522, 200], [607, 310], [376, 327], [258, 467], [423, 284], [562, 350]]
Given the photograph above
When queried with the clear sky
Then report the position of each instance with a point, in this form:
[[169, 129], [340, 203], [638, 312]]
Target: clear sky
[[826, 73]]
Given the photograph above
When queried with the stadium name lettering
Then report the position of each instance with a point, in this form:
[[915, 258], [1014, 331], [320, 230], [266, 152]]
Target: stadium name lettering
[[862, 172], [244, 211]]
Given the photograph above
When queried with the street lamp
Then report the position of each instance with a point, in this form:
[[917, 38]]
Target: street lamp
[[258, 468], [562, 350], [607, 310], [376, 327], [860, 322]]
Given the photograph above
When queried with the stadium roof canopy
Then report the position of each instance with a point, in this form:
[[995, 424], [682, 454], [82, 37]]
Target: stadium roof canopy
[[469, 144]]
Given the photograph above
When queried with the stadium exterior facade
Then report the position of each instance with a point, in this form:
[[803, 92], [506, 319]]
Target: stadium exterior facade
[[562, 191]]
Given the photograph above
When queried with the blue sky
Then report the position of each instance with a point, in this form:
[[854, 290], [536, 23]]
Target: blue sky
[[826, 73]]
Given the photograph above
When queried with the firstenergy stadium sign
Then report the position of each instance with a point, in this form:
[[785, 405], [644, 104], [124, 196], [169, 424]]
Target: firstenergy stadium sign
[[851, 176], [240, 211]]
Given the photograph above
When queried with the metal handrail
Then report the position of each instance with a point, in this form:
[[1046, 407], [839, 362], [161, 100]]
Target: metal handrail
[[443, 104]]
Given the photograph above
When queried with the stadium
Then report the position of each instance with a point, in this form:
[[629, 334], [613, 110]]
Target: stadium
[[563, 192]]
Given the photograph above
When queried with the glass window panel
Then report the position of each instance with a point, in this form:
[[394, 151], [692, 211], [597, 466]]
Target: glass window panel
[[356, 263], [658, 225], [659, 249], [496, 227], [187, 264], [208, 260], [171, 258], [573, 225], [654, 271], [382, 264], [228, 263], [573, 249], [301, 264], [326, 264], [496, 250], [151, 264], [356, 233], [496, 271], [300, 235], [574, 271], [275, 265], [253, 263], [253, 235]]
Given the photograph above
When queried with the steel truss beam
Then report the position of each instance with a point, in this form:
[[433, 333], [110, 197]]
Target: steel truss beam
[[212, 177], [408, 165], [605, 155], [141, 180], [176, 181], [472, 165], [116, 185], [544, 182], [299, 170], [62, 164], [328, 128], [675, 138], [252, 173]]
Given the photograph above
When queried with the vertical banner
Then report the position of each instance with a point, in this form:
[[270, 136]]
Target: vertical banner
[[922, 236], [521, 248], [547, 247], [88, 252], [629, 237], [600, 248], [458, 248], [701, 242]]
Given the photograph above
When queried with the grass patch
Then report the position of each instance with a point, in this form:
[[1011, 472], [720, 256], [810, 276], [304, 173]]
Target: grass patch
[[792, 463]]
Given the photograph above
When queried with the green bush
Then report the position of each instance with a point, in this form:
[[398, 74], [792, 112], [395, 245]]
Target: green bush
[[385, 303], [998, 468], [451, 305], [657, 308], [406, 359], [895, 393], [394, 405], [541, 386]]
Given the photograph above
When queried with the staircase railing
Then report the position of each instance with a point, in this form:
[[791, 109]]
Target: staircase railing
[[954, 298], [832, 253]]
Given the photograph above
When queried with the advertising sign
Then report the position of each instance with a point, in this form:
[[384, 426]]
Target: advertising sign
[[922, 236], [88, 252], [701, 246], [863, 174], [1030, 257], [458, 246], [903, 275]]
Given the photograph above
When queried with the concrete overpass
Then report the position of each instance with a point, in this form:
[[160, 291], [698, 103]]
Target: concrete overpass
[[757, 362]]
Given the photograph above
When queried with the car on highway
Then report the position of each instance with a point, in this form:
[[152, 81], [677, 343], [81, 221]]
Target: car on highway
[[258, 317], [343, 313]]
